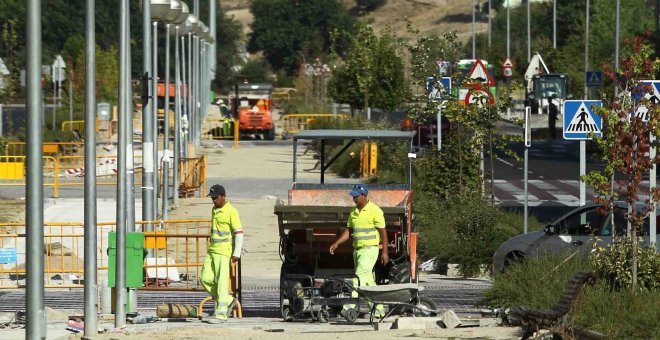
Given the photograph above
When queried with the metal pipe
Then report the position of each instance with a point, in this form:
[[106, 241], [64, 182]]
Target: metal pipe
[[295, 158], [185, 105], [70, 98], [508, 30], [154, 113], [166, 127], [474, 30], [90, 289], [489, 24], [583, 144], [147, 118], [529, 32], [34, 213], [554, 24], [177, 118], [616, 43], [212, 26], [131, 302], [120, 265], [57, 74], [190, 92]]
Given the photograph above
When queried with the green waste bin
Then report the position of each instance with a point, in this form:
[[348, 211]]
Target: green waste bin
[[134, 259]]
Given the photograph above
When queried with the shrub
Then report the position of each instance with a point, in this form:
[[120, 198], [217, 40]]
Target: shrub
[[540, 282], [536, 282], [614, 263], [465, 231]]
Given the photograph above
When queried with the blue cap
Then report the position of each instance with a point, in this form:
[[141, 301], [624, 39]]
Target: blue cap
[[358, 190]]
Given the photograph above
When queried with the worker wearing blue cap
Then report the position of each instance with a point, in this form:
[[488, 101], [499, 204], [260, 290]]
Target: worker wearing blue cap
[[366, 225]]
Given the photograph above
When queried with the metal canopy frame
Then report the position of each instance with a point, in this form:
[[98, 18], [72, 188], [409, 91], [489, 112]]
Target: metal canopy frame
[[353, 136]]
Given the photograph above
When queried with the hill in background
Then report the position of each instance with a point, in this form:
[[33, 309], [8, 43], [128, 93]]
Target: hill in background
[[428, 16]]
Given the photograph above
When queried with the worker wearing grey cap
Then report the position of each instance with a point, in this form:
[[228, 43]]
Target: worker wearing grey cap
[[226, 244]]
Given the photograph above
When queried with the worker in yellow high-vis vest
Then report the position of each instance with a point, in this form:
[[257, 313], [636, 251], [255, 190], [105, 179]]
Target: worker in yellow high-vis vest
[[225, 246], [366, 225]]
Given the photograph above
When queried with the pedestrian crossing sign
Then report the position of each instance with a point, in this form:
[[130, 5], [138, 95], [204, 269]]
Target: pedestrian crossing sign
[[652, 94], [580, 119]]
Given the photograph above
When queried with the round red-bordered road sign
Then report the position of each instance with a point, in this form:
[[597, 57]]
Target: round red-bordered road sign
[[480, 96]]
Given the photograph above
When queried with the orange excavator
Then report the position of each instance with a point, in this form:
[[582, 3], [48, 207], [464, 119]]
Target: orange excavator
[[251, 107]]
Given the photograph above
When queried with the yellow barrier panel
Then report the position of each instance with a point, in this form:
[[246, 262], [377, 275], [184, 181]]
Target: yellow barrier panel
[[293, 123], [12, 168], [373, 159], [368, 160], [12, 172]]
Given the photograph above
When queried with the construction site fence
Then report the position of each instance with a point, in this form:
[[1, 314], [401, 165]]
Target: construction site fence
[[78, 126], [70, 171], [48, 148], [176, 249], [293, 123]]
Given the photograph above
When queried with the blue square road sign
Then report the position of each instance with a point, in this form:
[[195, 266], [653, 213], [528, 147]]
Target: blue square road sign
[[594, 78], [580, 119]]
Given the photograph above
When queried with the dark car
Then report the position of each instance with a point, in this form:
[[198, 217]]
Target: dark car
[[576, 230]]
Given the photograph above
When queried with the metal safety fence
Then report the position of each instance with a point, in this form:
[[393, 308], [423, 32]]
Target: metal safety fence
[[13, 171], [293, 123], [78, 126], [48, 148], [176, 250], [70, 171]]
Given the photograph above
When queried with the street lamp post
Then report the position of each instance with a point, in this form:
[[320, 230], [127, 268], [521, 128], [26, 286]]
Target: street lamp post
[[90, 288], [177, 99], [159, 11], [172, 15]]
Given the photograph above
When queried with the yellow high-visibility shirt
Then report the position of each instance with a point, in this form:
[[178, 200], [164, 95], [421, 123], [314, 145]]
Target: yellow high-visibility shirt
[[225, 222], [364, 224]]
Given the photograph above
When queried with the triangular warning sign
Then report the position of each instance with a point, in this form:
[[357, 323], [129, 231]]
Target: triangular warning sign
[[507, 62], [479, 72], [582, 121]]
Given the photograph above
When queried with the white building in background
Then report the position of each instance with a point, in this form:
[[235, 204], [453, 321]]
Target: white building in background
[[516, 3], [4, 73]]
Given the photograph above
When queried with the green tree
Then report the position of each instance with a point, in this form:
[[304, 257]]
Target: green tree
[[11, 59], [373, 73], [288, 32], [623, 137]]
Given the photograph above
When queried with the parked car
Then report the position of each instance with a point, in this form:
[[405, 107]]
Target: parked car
[[576, 230]]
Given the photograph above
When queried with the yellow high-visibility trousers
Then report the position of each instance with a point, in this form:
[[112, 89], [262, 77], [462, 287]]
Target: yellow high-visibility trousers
[[215, 279], [365, 259]]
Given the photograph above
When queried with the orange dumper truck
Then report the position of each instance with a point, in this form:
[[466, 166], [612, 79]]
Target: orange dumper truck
[[251, 107], [316, 214]]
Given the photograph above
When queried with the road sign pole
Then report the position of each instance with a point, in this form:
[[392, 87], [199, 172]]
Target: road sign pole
[[529, 33], [508, 30], [528, 141], [652, 185], [439, 125], [474, 31], [554, 24], [54, 101], [583, 171]]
